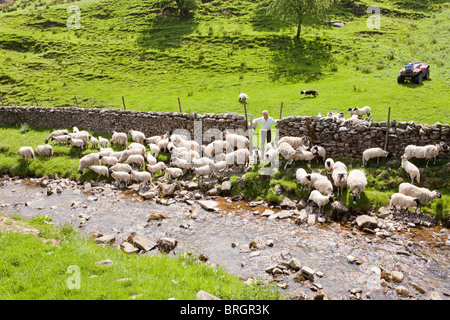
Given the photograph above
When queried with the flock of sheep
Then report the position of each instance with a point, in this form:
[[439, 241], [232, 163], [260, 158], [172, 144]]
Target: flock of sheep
[[137, 164]]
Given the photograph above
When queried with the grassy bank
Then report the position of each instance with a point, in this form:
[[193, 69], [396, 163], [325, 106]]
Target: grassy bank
[[383, 178], [125, 48], [33, 268]]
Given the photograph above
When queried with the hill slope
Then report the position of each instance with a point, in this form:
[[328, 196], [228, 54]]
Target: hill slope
[[127, 48]]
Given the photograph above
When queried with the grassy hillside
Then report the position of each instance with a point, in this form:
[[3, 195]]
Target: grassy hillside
[[126, 48]]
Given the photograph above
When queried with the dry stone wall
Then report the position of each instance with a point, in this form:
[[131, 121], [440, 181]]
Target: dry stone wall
[[351, 137], [340, 138]]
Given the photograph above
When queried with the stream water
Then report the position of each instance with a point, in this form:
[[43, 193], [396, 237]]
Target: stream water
[[421, 254]]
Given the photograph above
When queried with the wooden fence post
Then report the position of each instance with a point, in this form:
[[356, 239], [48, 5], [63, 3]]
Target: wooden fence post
[[1, 100], [36, 101], [76, 101], [387, 129], [179, 104], [123, 101], [246, 119], [281, 111]]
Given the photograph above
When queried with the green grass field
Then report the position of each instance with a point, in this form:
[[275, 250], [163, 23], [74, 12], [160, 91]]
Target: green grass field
[[32, 268], [124, 48]]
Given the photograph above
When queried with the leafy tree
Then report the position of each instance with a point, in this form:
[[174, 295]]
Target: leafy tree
[[185, 7], [295, 11]]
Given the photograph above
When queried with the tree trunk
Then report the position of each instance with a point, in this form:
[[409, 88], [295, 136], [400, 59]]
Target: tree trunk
[[299, 29]]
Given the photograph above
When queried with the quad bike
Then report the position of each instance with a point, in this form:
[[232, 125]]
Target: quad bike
[[414, 72]]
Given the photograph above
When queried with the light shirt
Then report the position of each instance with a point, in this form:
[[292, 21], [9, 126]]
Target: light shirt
[[265, 124]]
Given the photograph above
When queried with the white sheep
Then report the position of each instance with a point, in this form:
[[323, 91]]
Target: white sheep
[[61, 139], [320, 199], [287, 152], [203, 161], [136, 159], [303, 155], [215, 148], [120, 167], [154, 149], [44, 150], [255, 156], [372, 153], [356, 182], [324, 186], [361, 111], [272, 156], [87, 161], [172, 172], [411, 169], [94, 142], [156, 168], [179, 142], [235, 141], [127, 153], [108, 160], [103, 142], [424, 194], [100, 170], [300, 176], [77, 143], [120, 176], [425, 152], [137, 145], [217, 167], [243, 96], [238, 157], [319, 152], [137, 136], [271, 145], [329, 162], [75, 130], [116, 154], [295, 142], [120, 138], [403, 201], [56, 133], [203, 171], [27, 152], [152, 139], [339, 176], [181, 163], [151, 160], [142, 177], [105, 152], [82, 135], [163, 143]]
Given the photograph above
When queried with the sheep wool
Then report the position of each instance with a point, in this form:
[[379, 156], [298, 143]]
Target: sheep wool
[[120, 138], [27, 152], [137, 136], [295, 142], [44, 150], [372, 153], [136, 159], [329, 165], [411, 169], [424, 194], [356, 182], [142, 177], [157, 167], [403, 201], [120, 176], [87, 161], [100, 170], [319, 199]]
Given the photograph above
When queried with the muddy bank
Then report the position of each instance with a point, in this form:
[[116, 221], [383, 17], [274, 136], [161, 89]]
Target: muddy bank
[[307, 256]]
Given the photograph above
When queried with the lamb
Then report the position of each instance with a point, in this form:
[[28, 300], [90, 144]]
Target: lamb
[[45, 150], [88, 160], [424, 194], [136, 159], [55, 134], [295, 142], [372, 153], [411, 169], [357, 182], [151, 160], [60, 139], [120, 138], [137, 136], [142, 177], [300, 175], [156, 168], [108, 160], [425, 152], [120, 176], [319, 152], [303, 155], [329, 165], [203, 171], [287, 152], [360, 112], [235, 141], [103, 142], [27, 152], [172, 172], [75, 130], [94, 142], [77, 143], [120, 167], [100, 170], [320, 199], [82, 135], [339, 176], [403, 201]]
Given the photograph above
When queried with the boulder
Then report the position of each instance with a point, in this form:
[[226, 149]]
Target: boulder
[[288, 203], [143, 243], [203, 295], [106, 239], [365, 221], [128, 247], [209, 205], [167, 189], [166, 244]]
